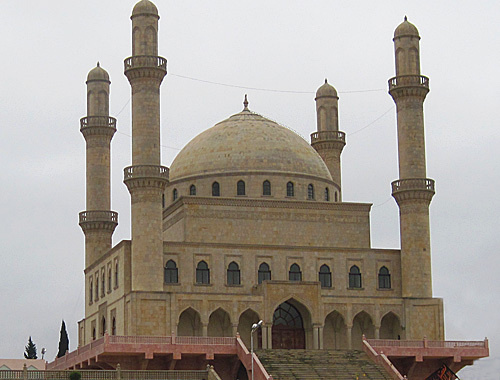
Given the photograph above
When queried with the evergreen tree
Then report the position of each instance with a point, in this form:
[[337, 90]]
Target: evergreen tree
[[63, 341], [30, 350]]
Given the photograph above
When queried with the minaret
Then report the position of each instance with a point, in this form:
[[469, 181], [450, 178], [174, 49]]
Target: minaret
[[413, 191], [328, 140], [146, 179], [98, 222]]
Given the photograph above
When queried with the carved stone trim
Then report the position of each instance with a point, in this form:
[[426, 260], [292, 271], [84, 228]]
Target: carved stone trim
[[409, 85]]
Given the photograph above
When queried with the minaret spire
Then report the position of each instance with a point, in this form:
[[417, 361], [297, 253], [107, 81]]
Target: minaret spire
[[328, 140], [146, 178], [413, 191], [98, 221]]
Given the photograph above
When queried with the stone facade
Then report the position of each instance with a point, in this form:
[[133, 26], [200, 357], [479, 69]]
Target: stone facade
[[248, 224]]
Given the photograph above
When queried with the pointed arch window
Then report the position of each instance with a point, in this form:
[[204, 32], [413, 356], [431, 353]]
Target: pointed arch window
[[113, 326], [327, 194], [116, 274], [91, 291], [289, 189], [325, 276], [240, 188], [264, 273], [233, 274], [384, 278], [295, 274], [215, 189], [103, 326], [192, 190], [171, 274], [202, 273], [163, 200], [110, 279], [354, 277], [310, 191], [97, 286], [103, 280], [175, 194], [266, 188]]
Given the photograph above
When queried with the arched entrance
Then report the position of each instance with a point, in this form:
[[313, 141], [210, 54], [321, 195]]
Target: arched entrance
[[390, 327], [362, 325], [335, 332], [247, 319], [288, 327], [219, 324], [189, 323]]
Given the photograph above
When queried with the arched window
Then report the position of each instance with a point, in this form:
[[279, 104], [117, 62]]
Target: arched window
[[325, 276], [310, 191], [384, 278], [93, 334], [163, 200], [91, 291], [240, 188], [97, 286], [215, 189], [327, 194], [171, 274], [289, 189], [192, 190], [103, 326], [264, 273], [295, 274], [354, 277], [103, 288], [113, 326], [116, 274], [266, 188], [202, 273], [110, 278], [233, 274], [175, 194]]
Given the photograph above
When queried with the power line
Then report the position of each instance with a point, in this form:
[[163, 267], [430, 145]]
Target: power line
[[369, 124], [268, 89]]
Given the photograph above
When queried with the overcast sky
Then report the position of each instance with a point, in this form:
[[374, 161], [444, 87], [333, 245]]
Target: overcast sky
[[289, 47]]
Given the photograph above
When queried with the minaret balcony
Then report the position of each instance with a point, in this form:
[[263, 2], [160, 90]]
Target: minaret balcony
[[145, 66], [98, 220], [145, 176], [327, 136], [98, 121], [408, 81], [98, 216], [413, 188]]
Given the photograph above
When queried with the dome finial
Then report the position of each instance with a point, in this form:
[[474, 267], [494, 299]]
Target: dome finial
[[98, 65], [245, 103], [406, 18], [326, 80]]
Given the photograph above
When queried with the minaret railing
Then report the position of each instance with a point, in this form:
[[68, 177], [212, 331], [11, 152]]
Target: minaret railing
[[145, 61], [97, 121], [408, 81], [327, 136]]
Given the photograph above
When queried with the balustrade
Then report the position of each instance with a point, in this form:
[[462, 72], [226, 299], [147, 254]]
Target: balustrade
[[327, 135], [408, 81], [413, 184], [98, 121], [145, 61], [98, 216], [145, 171]]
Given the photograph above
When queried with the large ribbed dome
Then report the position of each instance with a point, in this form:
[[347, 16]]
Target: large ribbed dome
[[248, 142]]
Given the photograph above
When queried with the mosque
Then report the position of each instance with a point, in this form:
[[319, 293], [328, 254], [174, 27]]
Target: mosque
[[248, 225]]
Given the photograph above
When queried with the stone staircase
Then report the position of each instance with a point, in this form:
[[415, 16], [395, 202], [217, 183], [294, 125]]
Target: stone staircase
[[320, 365]]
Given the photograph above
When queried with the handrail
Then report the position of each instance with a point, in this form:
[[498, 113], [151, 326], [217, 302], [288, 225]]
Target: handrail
[[245, 357], [426, 343], [98, 121], [381, 359], [98, 216], [145, 171]]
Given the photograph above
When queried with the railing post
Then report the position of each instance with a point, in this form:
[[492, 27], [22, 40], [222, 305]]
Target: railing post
[[173, 337], [118, 372], [425, 342]]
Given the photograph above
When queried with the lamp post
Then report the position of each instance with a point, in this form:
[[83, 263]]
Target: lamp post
[[255, 327]]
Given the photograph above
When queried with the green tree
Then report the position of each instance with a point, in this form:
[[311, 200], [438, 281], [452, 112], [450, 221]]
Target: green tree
[[30, 350], [63, 341]]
